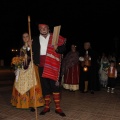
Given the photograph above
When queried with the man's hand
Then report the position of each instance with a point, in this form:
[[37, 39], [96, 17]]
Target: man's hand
[[57, 83], [37, 65], [55, 47]]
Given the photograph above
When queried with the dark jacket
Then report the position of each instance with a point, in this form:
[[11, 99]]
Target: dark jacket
[[36, 50]]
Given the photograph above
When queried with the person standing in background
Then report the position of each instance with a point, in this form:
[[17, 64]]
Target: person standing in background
[[71, 69], [112, 75], [88, 69], [103, 77]]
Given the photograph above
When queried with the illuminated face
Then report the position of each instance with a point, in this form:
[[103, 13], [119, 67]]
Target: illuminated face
[[112, 64], [25, 37], [86, 45], [73, 48], [44, 29]]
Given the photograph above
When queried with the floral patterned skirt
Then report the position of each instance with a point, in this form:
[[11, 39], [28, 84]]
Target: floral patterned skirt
[[32, 98]]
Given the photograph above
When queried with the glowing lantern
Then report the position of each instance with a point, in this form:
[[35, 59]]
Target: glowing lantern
[[85, 69]]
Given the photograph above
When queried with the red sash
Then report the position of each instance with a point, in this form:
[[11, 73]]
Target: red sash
[[42, 60], [52, 61]]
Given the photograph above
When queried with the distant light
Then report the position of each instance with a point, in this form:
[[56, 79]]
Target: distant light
[[14, 50]]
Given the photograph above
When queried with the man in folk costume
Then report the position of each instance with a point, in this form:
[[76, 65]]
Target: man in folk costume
[[48, 58], [88, 69], [112, 75]]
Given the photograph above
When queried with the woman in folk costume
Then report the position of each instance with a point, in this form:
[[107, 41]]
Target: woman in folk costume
[[48, 57], [112, 75], [29, 99], [103, 71], [70, 70]]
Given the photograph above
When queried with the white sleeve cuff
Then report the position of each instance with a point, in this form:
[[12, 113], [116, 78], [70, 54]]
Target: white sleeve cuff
[[81, 58], [28, 48], [89, 58], [24, 47]]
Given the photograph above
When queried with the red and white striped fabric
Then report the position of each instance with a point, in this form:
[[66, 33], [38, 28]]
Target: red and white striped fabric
[[53, 60]]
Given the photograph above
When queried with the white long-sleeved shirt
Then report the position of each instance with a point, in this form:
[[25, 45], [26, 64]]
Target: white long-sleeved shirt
[[43, 44]]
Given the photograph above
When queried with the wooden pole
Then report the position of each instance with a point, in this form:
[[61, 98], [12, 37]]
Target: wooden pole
[[29, 30]]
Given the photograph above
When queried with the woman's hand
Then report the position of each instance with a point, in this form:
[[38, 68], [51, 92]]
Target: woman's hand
[[29, 43]]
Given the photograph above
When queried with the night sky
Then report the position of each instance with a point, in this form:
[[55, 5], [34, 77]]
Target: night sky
[[80, 20]]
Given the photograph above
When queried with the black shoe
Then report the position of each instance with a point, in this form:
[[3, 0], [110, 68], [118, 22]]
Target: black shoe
[[82, 91], [60, 113], [71, 90], [32, 109], [92, 92], [44, 111], [85, 91]]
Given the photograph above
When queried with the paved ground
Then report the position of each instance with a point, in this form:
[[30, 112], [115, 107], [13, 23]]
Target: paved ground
[[76, 105]]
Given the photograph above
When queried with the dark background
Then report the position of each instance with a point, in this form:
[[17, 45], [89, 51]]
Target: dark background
[[94, 20]]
